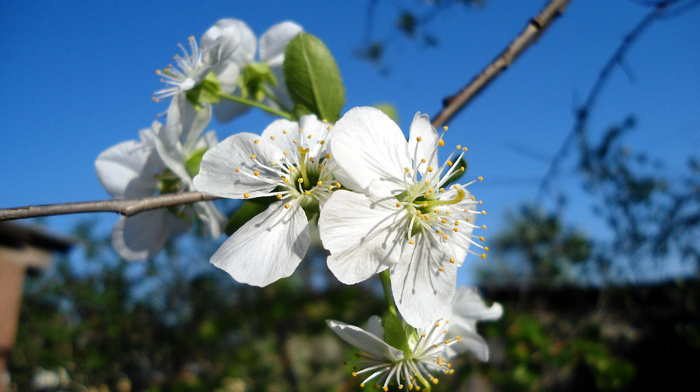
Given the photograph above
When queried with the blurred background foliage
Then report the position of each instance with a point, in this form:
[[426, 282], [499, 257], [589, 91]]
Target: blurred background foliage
[[583, 311]]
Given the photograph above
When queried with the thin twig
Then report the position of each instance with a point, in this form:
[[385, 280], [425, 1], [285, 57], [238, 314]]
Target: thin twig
[[452, 105], [126, 207], [582, 114]]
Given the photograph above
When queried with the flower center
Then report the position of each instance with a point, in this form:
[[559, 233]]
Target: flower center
[[437, 213]]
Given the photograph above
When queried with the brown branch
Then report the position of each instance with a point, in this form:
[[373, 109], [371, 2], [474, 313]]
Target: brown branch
[[126, 207], [452, 105]]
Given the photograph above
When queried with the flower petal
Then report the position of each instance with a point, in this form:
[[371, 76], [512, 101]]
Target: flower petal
[[218, 175], [274, 41], [127, 170], [365, 341], [363, 236], [467, 304], [469, 341], [427, 147], [142, 236], [422, 292], [268, 247], [369, 146], [211, 216]]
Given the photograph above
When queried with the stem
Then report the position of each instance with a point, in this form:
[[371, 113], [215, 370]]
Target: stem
[[534, 29], [386, 284], [258, 105], [126, 207]]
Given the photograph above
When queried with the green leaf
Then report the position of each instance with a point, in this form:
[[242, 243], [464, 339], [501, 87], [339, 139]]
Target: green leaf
[[395, 333], [313, 78], [246, 212]]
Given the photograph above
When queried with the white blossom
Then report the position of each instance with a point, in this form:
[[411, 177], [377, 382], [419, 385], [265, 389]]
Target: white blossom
[[403, 216], [136, 169], [387, 364], [270, 54], [467, 309], [290, 162]]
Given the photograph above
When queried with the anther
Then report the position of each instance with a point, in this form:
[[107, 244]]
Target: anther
[[256, 141], [430, 169], [481, 239], [481, 178], [452, 261], [328, 156], [256, 173], [272, 138], [441, 269], [483, 212], [245, 195], [483, 255], [418, 139], [319, 183], [441, 142], [486, 248], [279, 196], [253, 156], [238, 169], [286, 205]]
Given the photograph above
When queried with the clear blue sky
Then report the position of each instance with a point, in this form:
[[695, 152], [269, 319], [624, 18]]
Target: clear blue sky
[[78, 78]]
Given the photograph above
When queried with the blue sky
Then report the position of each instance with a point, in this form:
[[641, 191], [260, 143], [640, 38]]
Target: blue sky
[[78, 78]]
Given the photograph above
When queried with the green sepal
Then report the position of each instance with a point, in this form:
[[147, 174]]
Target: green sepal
[[395, 333], [246, 212], [313, 78], [252, 81], [205, 92]]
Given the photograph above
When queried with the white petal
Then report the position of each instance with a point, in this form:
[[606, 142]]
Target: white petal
[[283, 133], [211, 216], [365, 341], [267, 248], [467, 304], [128, 169], [217, 172], [226, 34], [275, 40], [374, 326], [364, 237], [469, 341], [427, 147], [422, 292], [460, 243], [142, 236], [369, 146]]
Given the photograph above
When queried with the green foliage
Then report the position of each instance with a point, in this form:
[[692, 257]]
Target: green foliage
[[313, 78], [395, 333]]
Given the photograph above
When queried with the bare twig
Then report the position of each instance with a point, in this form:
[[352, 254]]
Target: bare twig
[[452, 105], [126, 207], [584, 111]]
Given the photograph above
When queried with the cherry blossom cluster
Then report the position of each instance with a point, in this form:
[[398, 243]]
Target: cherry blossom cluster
[[382, 204]]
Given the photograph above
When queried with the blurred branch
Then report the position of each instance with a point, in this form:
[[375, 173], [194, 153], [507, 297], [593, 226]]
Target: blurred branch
[[126, 207], [452, 105], [660, 10]]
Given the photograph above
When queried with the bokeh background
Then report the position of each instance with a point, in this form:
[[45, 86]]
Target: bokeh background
[[594, 246]]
